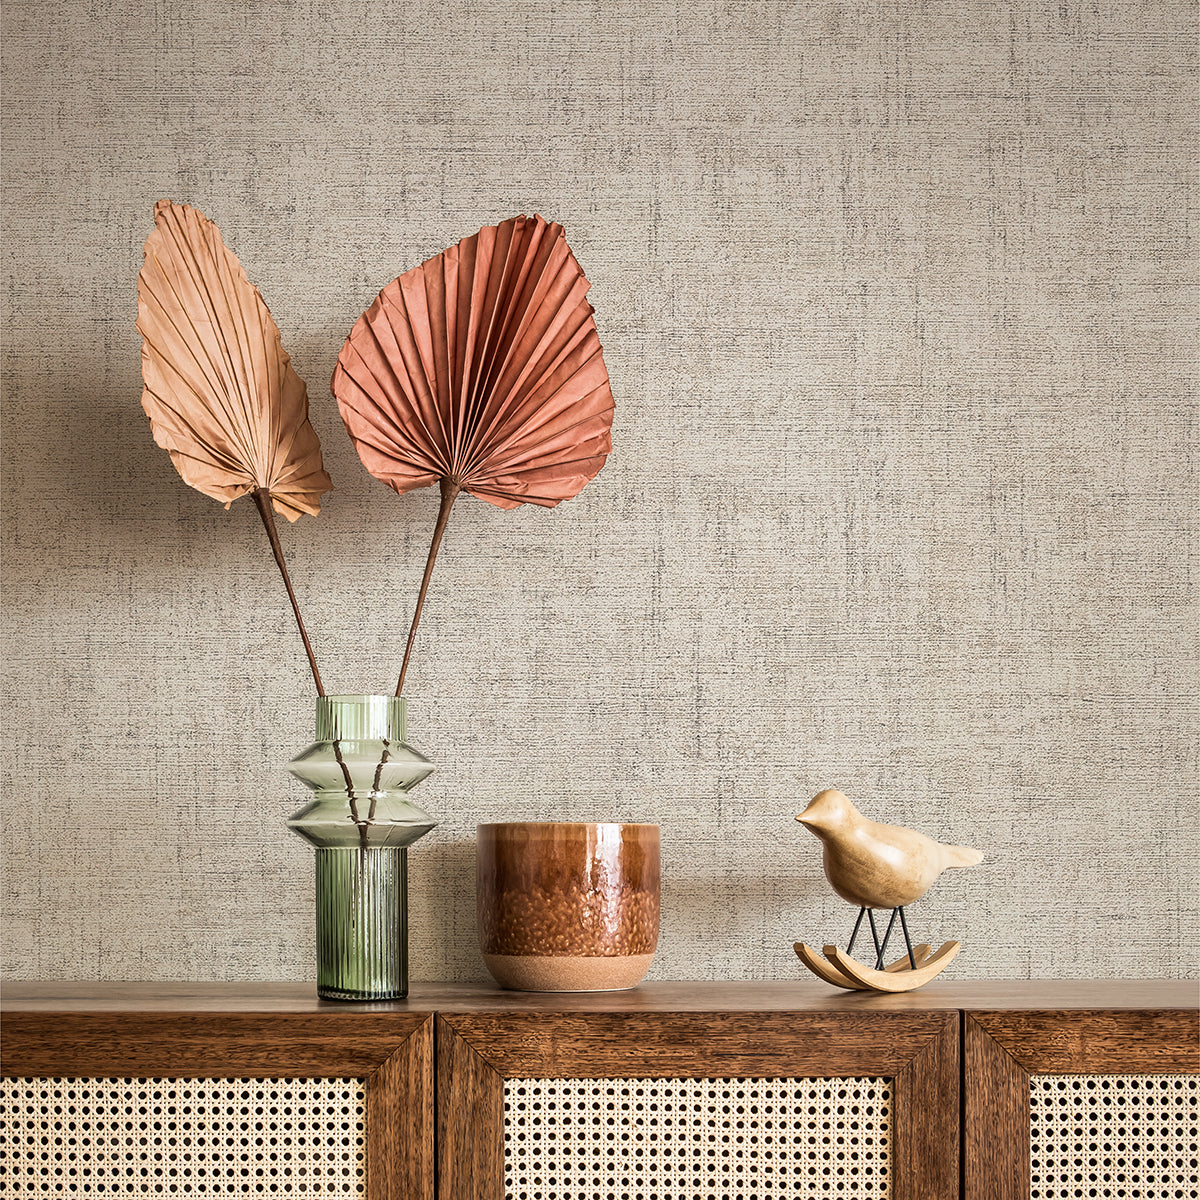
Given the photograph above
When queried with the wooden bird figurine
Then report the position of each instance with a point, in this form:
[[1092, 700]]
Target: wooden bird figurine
[[877, 866]]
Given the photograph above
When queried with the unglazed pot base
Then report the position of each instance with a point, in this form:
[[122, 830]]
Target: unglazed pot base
[[554, 973]]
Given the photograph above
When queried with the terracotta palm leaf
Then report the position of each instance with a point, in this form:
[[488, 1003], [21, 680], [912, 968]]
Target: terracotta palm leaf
[[220, 390], [482, 366], [481, 369]]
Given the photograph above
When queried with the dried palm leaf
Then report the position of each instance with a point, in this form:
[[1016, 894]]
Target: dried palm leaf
[[481, 369], [220, 390]]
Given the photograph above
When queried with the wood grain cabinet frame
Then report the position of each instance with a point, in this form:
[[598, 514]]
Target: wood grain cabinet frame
[[433, 1068], [917, 1051], [1001, 1050], [391, 1054]]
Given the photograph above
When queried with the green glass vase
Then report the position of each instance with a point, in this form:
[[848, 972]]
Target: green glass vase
[[361, 821]]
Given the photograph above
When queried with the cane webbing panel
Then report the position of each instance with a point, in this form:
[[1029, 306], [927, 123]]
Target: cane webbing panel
[[1133, 1136], [696, 1139], [299, 1138]]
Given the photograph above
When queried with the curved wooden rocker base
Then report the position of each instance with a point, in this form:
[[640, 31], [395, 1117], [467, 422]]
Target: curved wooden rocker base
[[839, 969], [825, 970]]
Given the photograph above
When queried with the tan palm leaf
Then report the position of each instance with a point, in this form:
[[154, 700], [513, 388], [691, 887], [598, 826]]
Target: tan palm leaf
[[220, 390]]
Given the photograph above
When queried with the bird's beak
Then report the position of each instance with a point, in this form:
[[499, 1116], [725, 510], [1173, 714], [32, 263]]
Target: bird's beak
[[823, 811]]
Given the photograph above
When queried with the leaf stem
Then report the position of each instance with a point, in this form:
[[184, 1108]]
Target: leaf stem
[[262, 498], [450, 491]]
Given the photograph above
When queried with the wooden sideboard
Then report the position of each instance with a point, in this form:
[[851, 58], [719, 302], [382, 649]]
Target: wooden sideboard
[[464, 1092]]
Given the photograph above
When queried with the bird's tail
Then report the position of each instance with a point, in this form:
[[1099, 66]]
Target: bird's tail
[[961, 856]]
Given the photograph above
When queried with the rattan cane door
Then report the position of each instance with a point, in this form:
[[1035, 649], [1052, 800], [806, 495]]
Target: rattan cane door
[[307, 1105], [1082, 1103], [688, 1106]]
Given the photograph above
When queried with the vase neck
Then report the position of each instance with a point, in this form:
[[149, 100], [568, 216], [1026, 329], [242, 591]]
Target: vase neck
[[361, 718]]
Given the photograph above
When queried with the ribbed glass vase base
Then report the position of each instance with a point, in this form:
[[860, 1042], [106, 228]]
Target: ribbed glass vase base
[[362, 923]]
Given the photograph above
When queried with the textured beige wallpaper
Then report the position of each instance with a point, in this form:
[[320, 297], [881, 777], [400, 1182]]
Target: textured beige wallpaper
[[899, 305]]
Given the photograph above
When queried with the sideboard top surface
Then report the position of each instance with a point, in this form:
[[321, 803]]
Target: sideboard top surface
[[663, 997]]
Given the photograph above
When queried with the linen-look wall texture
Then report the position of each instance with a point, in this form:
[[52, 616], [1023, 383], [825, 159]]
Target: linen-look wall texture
[[899, 305]]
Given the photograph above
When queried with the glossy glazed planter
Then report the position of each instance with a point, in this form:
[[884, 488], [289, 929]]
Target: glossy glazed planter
[[567, 907]]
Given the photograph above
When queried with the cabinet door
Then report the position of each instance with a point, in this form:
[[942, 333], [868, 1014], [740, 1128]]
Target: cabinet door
[[688, 1106], [218, 1104], [1080, 1103]]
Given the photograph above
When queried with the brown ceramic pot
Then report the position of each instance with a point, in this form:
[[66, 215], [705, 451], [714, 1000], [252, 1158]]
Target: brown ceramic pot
[[566, 907]]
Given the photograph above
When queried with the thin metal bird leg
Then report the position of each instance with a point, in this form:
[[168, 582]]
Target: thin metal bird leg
[[850, 948], [874, 936], [912, 962], [883, 948]]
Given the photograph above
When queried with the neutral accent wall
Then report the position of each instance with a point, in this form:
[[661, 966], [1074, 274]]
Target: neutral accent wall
[[899, 306]]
